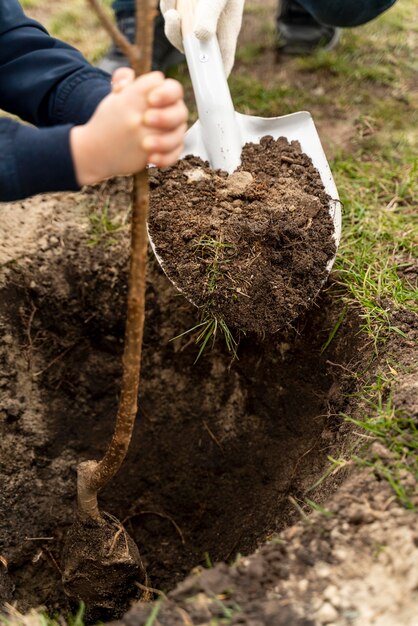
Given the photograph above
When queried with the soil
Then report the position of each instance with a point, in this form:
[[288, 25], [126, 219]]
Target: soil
[[223, 453], [251, 249], [218, 448], [101, 566], [358, 564]]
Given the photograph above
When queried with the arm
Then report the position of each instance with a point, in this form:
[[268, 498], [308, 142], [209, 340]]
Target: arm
[[142, 121], [34, 160], [47, 83], [44, 81], [94, 133]]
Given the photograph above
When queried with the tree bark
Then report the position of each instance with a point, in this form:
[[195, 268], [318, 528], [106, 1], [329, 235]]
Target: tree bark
[[92, 475]]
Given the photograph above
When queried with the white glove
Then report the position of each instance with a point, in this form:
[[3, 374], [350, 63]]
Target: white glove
[[223, 17]]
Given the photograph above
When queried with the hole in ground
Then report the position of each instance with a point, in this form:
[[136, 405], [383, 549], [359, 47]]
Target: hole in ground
[[220, 449]]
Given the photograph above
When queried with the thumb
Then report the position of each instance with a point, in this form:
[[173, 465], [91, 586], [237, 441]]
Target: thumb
[[207, 18], [122, 77]]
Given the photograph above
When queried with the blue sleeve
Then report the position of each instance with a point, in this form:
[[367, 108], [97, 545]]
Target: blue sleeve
[[44, 81], [51, 85], [34, 160]]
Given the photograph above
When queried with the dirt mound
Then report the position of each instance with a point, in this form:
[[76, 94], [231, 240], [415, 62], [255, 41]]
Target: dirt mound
[[251, 248]]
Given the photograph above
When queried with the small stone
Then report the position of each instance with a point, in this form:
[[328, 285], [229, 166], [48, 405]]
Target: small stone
[[326, 614], [195, 175], [238, 182], [340, 554], [331, 594], [256, 569], [44, 243], [323, 571], [381, 451]]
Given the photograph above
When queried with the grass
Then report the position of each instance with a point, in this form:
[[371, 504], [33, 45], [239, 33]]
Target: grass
[[396, 457], [152, 618], [74, 22], [39, 617], [102, 226], [378, 237], [211, 251], [206, 333]]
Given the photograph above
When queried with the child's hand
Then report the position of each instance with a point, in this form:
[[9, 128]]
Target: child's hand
[[142, 121]]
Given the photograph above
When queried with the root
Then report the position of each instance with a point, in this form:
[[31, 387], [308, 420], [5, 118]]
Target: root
[[164, 516], [87, 498]]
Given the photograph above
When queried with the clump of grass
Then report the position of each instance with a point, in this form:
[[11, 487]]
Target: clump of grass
[[103, 226], [378, 236], [396, 457], [212, 252], [207, 331]]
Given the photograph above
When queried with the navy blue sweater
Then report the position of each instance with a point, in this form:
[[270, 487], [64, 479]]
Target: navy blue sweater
[[51, 85]]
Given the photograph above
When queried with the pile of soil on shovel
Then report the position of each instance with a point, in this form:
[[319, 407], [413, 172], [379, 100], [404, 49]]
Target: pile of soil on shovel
[[251, 248]]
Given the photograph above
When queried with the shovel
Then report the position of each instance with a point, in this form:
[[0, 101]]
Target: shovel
[[220, 133]]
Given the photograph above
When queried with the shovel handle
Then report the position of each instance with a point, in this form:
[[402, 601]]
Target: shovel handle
[[218, 125], [186, 9]]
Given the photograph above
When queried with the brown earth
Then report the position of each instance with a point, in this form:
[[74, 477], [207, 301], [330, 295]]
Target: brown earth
[[251, 249], [224, 454], [212, 444]]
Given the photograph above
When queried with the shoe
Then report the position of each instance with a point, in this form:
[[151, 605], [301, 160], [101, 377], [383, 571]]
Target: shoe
[[300, 33], [164, 55]]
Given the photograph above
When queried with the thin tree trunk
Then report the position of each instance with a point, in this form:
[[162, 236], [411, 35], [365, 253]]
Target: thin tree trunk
[[92, 475]]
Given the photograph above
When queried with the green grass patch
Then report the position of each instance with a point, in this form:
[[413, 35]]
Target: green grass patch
[[103, 226], [380, 232], [396, 457]]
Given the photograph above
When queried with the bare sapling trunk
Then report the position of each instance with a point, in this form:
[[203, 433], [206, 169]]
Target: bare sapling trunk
[[92, 475], [101, 564]]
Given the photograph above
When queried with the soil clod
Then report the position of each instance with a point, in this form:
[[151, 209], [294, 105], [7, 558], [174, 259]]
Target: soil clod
[[101, 564]]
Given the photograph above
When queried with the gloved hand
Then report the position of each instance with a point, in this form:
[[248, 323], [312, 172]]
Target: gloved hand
[[223, 17]]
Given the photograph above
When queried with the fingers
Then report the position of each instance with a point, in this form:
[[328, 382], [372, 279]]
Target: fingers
[[141, 86], [166, 119], [207, 17], [167, 109], [165, 160], [164, 143], [167, 93], [121, 78], [172, 28]]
